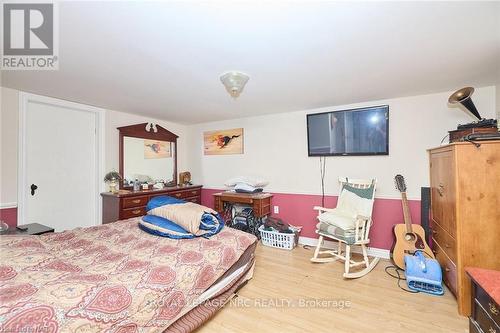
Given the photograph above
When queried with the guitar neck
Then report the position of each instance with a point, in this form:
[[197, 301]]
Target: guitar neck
[[406, 212]]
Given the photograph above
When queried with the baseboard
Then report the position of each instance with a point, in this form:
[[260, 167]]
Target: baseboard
[[372, 251], [5, 205]]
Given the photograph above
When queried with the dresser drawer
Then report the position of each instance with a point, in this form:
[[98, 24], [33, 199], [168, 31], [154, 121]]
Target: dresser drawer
[[485, 323], [133, 212], [196, 200], [193, 193], [445, 241], [473, 327], [134, 202], [188, 193], [489, 305], [449, 269], [178, 195]]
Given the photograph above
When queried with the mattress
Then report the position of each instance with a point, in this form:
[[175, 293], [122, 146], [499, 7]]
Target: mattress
[[215, 297], [117, 278]]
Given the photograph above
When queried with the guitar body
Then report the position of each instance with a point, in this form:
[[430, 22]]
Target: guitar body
[[409, 237], [408, 242]]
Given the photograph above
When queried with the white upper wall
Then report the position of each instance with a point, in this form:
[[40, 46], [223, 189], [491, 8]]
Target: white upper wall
[[9, 107], [276, 147], [9, 139], [498, 101]]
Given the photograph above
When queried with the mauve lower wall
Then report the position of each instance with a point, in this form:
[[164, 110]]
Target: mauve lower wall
[[9, 216], [297, 209]]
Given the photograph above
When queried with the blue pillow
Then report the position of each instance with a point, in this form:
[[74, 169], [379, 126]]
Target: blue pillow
[[162, 200]]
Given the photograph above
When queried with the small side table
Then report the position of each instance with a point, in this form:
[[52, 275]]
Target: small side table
[[260, 204], [33, 229]]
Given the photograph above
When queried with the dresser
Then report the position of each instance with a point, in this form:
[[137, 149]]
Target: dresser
[[128, 204], [465, 212], [485, 317]]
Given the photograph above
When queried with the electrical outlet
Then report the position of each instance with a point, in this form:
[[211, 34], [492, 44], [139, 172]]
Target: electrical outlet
[[276, 209]]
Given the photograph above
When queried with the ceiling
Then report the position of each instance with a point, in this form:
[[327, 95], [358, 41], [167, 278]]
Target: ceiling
[[163, 59]]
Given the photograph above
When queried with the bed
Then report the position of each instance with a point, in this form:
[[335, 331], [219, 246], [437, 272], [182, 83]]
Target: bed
[[118, 278]]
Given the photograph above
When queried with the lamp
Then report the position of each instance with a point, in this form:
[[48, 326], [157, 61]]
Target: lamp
[[112, 178], [234, 82]]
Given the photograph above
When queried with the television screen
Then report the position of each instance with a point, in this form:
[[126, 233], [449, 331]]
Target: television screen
[[363, 131]]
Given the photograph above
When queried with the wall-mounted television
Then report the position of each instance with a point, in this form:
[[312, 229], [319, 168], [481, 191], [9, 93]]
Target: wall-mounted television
[[363, 131]]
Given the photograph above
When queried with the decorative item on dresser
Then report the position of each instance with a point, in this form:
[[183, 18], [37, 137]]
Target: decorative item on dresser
[[113, 179], [126, 204], [465, 183], [485, 317], [185, 178]]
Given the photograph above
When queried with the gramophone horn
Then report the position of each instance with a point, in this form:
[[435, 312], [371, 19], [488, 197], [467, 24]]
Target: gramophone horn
[[462, 96]]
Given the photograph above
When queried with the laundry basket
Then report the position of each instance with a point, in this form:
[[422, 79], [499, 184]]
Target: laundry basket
[[286, 241]]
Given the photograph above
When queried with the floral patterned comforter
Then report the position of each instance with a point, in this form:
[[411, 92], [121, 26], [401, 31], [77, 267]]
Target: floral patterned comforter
[[109, 278]]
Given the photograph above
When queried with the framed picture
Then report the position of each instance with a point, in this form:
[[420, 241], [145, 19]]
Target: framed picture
[[156, 149], [223, 142]]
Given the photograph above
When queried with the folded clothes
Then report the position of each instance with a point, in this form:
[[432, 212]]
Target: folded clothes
[[168, 216], [246, 188], [252, 181]]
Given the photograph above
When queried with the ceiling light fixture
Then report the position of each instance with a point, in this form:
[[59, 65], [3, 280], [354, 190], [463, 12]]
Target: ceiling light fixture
[[234, 82]]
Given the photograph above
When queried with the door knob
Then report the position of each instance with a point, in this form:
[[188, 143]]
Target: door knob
[[33, 188]]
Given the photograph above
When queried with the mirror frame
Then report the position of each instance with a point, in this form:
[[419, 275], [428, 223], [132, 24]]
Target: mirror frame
[[139, 131]]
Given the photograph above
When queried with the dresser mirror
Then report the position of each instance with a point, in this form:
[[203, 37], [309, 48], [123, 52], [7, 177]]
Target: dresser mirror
[[148, 154]]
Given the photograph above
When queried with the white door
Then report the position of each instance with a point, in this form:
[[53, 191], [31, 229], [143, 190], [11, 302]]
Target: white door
[[60, 148]]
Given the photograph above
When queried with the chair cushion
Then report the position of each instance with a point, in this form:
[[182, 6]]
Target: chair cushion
[[351, 204], [338, 218], [366, 193], [346, 235]]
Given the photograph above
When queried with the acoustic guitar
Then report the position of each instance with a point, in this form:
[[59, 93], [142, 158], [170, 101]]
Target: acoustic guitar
[[409, 237]]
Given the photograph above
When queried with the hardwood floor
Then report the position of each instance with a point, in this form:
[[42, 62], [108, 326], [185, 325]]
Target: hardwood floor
[[376, 303]]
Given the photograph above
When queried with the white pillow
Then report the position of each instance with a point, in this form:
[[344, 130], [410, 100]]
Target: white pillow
[[252, 181], [337, 218], [351, 204], [245, 187]]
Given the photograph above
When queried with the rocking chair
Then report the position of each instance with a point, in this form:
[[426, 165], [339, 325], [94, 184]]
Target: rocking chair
[[349, 223]]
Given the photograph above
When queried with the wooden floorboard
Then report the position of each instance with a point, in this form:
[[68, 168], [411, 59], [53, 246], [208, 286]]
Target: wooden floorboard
[[376, 303]]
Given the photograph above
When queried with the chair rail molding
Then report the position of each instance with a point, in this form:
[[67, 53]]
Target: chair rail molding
[[7, 205]]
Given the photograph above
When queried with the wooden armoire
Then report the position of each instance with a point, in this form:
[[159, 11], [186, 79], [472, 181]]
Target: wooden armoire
[[465, 212]]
